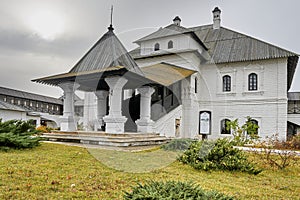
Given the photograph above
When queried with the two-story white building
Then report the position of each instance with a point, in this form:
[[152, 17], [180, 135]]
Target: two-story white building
[[236, 76], [194, 80]]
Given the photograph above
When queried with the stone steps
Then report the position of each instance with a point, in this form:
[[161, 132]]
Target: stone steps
[[106, 139]]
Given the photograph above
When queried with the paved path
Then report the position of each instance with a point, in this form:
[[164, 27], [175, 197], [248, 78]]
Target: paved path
[[275, 151], [87, 146]]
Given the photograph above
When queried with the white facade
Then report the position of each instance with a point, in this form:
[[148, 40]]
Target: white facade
[[6, 115], [267, 104], [249, 79]]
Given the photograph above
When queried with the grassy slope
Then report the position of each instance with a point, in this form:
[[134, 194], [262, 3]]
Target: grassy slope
[[54, 171]]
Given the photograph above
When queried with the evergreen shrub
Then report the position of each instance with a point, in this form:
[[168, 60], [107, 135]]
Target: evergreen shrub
[[218, 155], [17, 134], [178, 144], [172, 190]]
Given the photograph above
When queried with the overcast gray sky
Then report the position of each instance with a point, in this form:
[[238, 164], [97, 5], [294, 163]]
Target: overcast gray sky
[[45, 37]]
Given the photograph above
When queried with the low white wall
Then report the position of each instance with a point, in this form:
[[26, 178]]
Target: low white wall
[[166, 126]]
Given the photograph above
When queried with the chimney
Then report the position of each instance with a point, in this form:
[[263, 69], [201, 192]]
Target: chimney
[[177, 21], [217, 18]]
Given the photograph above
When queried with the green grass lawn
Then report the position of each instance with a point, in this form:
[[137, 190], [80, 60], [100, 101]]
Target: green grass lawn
[[54, 171]]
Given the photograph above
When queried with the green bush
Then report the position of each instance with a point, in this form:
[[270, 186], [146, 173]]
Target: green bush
[[247, 133], [218, 155], [17, 134], [178, 144], [172, 190]]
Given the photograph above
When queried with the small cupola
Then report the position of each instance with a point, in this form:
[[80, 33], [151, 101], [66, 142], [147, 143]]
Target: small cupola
[[217, 18], [177, 21]]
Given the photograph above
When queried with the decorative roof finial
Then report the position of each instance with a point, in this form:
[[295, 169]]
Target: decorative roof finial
[[110, 28]]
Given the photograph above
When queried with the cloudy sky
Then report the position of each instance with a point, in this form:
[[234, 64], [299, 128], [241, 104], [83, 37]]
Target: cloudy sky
[[45, 37]]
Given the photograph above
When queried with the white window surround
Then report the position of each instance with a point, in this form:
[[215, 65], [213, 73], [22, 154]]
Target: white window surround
[[220, 74], [231, 118], [259, 70]]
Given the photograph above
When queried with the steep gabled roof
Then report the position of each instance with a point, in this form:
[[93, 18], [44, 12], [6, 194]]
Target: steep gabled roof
[[225, 45], [107, 52]]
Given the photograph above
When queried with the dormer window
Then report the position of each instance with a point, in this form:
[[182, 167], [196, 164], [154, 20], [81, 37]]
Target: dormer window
[[170, 44], [156, 47]]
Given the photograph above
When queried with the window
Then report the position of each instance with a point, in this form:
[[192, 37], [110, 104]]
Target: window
[[255, 122], [252, 81], [196, 85], [226, 83], [252, 125], [170, 44], [224, 126], [156, 47]]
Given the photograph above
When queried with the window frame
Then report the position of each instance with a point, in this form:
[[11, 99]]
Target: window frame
[[170, 44], [156, 47], [252, 82], [223, 130], [226, 80], [196, 85]]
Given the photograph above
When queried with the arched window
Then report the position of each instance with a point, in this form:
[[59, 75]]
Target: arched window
[[156, 47], [224, 126], [255, 122], [170, 44], [226, 83], [252, 81], [196, 84]]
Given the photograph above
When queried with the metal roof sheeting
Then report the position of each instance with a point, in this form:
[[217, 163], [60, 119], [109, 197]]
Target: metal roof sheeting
[[169, 30], [226, 46], [27, 95], [166, 74], [71, 76], [107, 52]]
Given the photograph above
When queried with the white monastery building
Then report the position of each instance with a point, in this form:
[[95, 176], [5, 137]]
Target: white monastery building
[[182, 82]]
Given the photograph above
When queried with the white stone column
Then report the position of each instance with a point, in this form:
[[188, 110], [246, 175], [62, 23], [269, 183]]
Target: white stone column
[[67, 120], [114, 120], [101, 108], [145, 124]]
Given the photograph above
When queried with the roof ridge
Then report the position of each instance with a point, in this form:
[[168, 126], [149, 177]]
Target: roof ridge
[[183, 30]]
